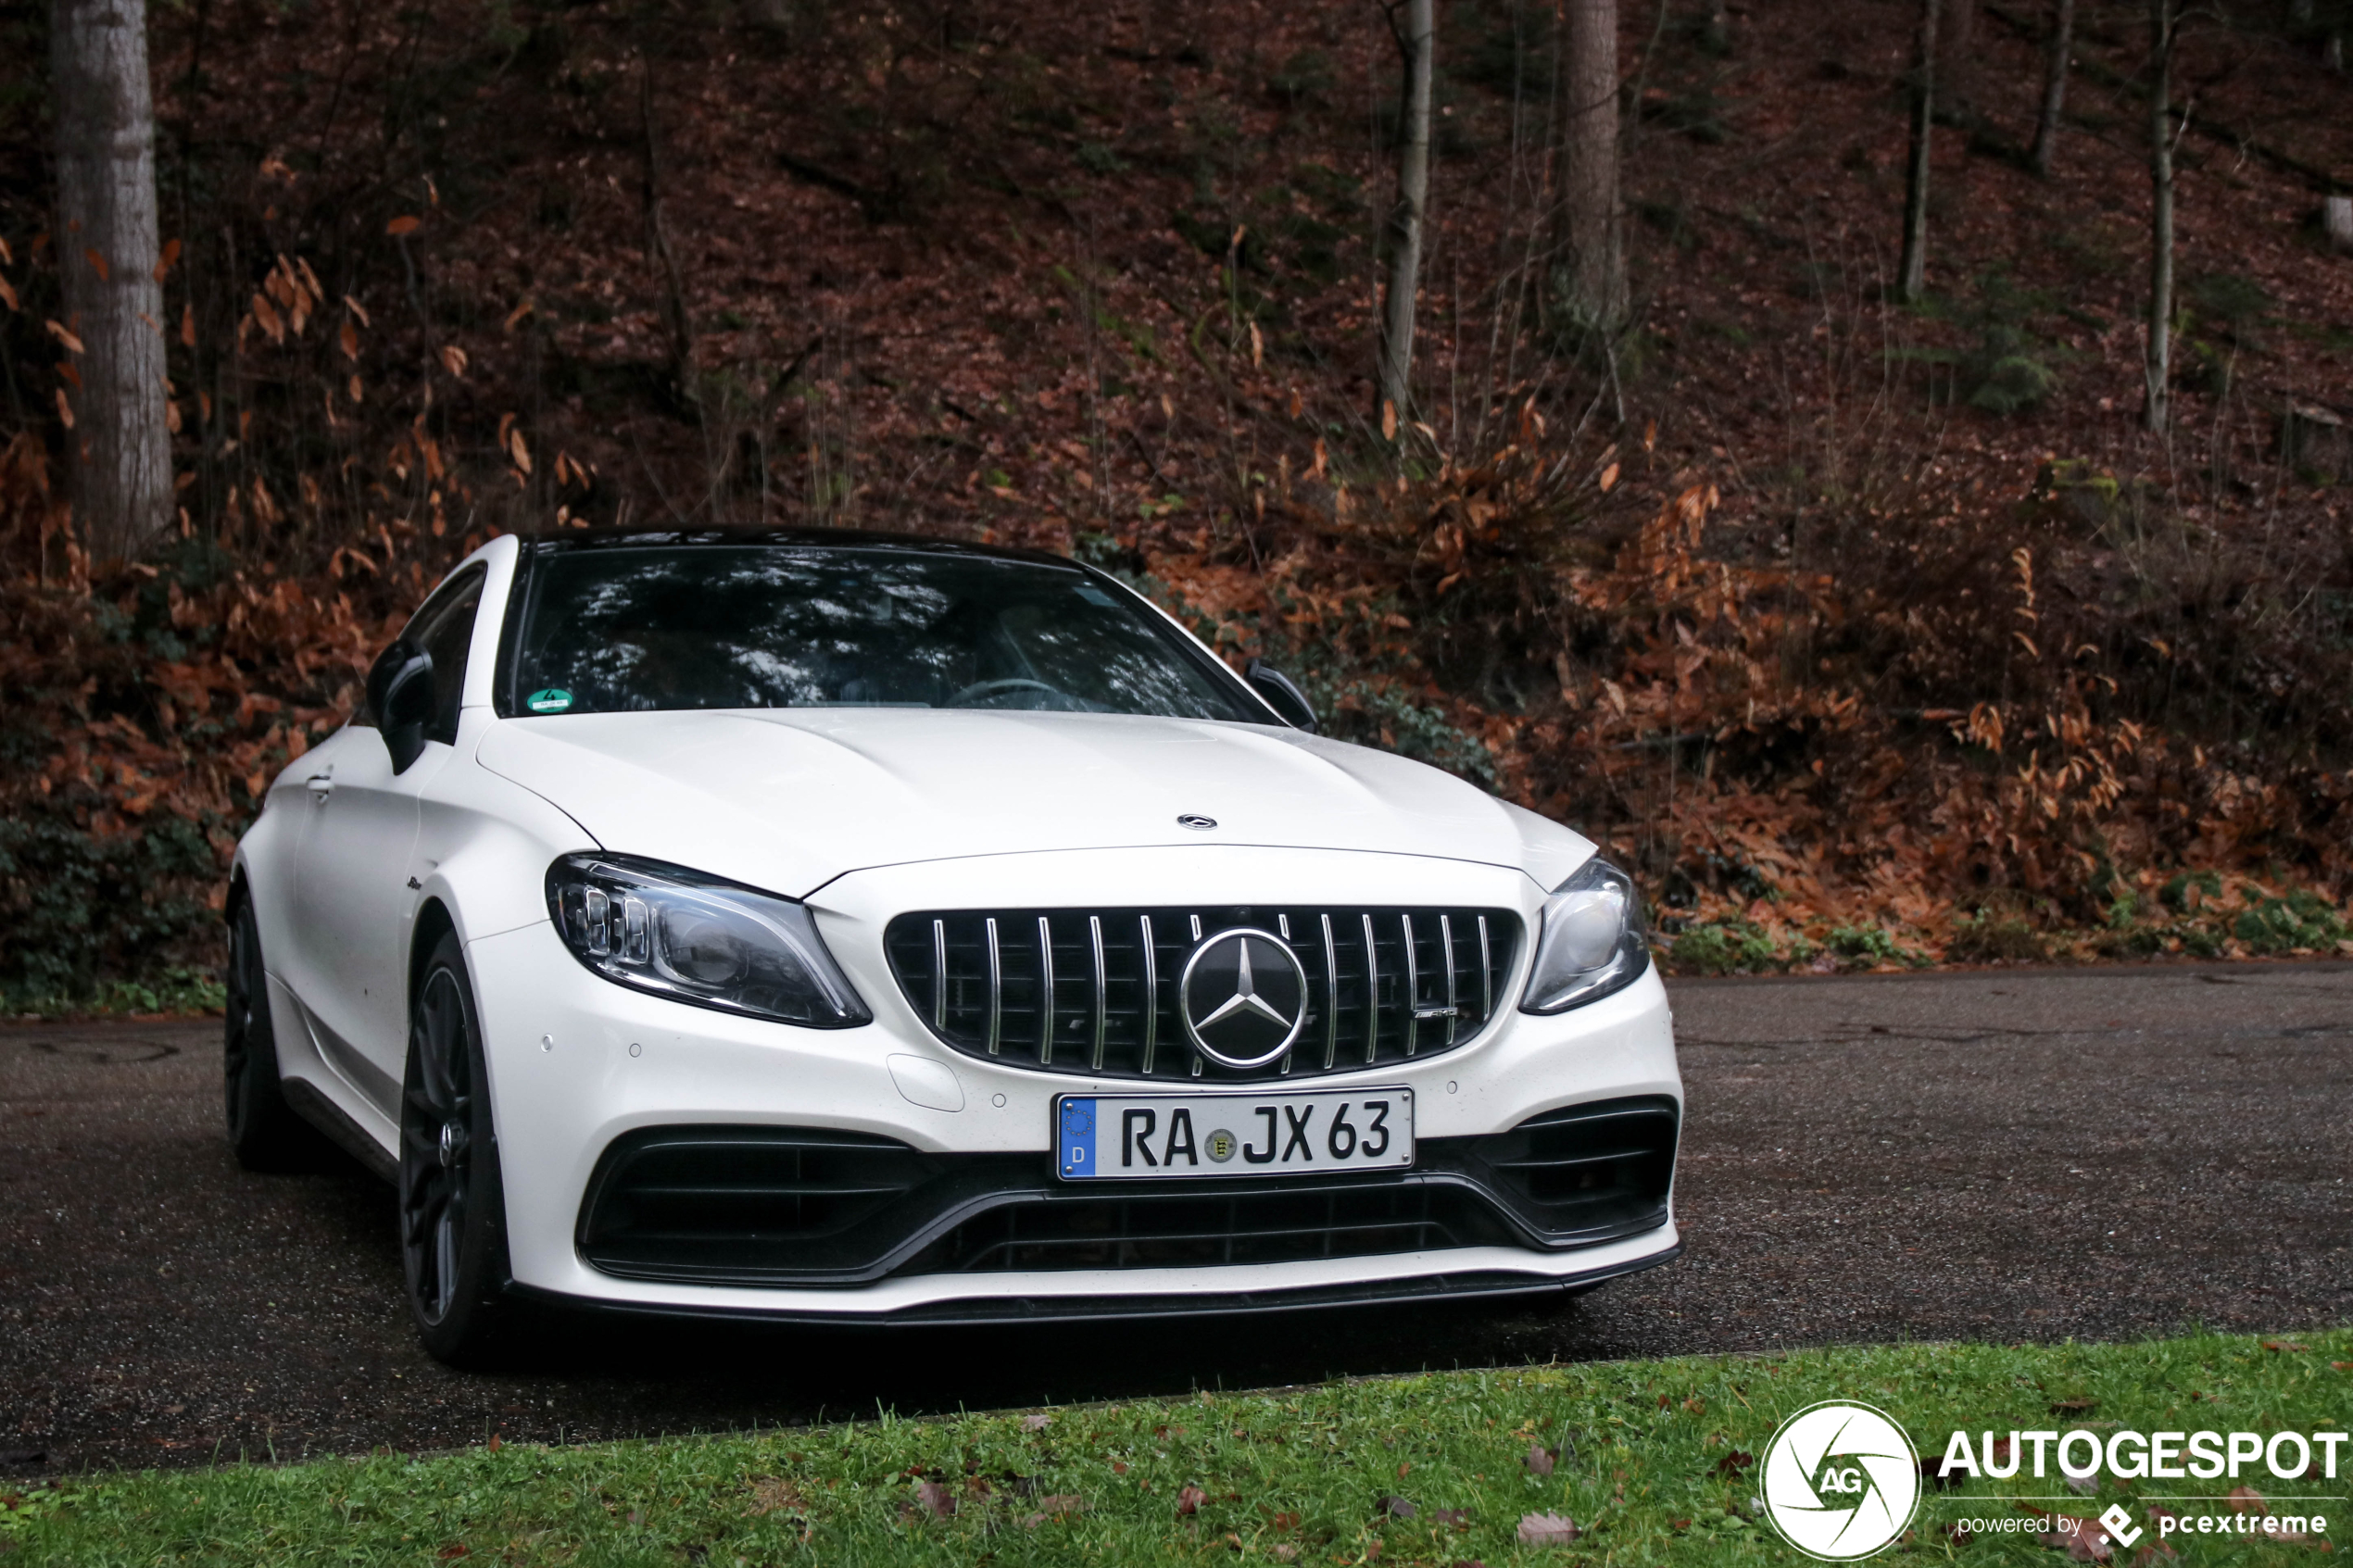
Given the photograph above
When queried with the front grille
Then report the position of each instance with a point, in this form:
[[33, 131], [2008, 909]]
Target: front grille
[[1168, 1230], [1094, 991]]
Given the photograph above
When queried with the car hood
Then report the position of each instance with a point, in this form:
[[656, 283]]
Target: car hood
[[788, 799]]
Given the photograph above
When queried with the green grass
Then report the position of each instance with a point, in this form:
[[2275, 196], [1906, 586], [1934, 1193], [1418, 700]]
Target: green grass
[[178, 990], [1650, 1457]]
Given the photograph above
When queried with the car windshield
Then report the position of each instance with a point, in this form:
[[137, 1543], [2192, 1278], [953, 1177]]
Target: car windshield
[[638, 628]]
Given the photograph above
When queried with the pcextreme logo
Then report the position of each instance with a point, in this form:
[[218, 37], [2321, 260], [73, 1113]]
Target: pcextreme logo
[[1841, 1480]]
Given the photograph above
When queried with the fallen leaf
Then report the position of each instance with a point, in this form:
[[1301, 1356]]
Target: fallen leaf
[[1454, 1517], [404, 224], [2246, 1500], [1038, 1423], [2073, 1407], [1189, 1499], [1539, 1460], [1609, 478], [57, 330], [1734, 1464], [938, 1499], [1061, 1505], [2283, 1345], [1547, 1529], [494, 1444], [454, 1550], [1397, 1508]]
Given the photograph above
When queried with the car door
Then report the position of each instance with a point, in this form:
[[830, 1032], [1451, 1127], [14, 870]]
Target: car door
[[352, 895]]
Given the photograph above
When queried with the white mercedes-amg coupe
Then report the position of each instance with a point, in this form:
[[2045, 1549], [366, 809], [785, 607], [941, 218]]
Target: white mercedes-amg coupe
[[842, 927]]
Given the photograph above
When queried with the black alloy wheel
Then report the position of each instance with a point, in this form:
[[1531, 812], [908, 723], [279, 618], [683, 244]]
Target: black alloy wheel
[[453, 1242], [263, 1129]]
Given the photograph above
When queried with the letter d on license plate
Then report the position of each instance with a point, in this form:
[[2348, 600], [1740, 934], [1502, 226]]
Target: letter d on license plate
[[1136, 1137]]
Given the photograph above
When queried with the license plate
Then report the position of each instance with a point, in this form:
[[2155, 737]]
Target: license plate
[[1135, 1138]]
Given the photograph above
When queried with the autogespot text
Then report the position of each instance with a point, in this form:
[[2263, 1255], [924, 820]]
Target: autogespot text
[[2132, 1456]]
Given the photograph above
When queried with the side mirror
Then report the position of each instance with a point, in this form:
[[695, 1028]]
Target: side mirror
[[400, 695], [1282, 695]]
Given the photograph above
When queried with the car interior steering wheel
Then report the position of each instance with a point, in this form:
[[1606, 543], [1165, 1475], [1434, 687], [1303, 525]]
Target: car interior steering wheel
[[980, 689]]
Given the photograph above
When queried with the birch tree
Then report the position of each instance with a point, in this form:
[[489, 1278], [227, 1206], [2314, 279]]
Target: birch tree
[[1591, 281], [1911, 272], [2158, 371], [118, 450], [1416, 42]]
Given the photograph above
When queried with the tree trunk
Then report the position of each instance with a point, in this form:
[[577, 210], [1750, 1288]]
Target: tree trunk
[[2158, 371], [1592, 280], [119, 452], [2054, 85], [1416, 44], [1911, 272], [1957, 63]]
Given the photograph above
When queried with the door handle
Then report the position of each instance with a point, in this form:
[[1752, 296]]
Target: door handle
[[321, 786]]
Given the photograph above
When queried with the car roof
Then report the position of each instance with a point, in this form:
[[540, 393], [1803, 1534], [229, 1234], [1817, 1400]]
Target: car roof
[[792, 538]]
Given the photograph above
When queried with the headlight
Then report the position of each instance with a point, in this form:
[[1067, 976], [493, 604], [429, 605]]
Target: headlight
[[694, 938], [1592, 942]]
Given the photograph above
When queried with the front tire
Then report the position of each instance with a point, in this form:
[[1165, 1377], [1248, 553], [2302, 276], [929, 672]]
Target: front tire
[[263, 1129], [453, 1234]]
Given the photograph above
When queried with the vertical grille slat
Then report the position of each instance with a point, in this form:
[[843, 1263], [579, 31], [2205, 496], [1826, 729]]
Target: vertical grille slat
[[1445, 944], [1094, 991], [996, 989], [1331, 997], [1102, 988], [1150, 1006], [1045, 991], [1413, 989]]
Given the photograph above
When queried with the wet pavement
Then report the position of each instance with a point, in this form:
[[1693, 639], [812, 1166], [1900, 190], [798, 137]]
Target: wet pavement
[[2005, 1155]]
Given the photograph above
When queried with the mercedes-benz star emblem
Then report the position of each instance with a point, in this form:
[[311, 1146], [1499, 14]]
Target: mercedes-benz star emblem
[[1243, 997], [1196, 821]]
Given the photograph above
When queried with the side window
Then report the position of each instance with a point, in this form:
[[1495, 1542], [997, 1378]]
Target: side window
[[444, 628]]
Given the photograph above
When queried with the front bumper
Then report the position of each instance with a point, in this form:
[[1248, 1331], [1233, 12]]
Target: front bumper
[[578, 1064]]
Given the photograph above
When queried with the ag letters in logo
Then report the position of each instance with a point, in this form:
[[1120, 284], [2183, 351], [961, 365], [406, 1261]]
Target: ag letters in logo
[[1840, 1481]]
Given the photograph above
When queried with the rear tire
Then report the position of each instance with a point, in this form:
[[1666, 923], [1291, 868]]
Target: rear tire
[[263, 1129], [453, 1228]]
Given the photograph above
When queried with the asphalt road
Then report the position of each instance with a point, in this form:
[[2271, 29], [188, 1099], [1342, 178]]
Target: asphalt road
[[2009, 1156]]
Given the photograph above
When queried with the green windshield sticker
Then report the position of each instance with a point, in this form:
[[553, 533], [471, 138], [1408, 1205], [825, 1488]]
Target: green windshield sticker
[[554, 699]]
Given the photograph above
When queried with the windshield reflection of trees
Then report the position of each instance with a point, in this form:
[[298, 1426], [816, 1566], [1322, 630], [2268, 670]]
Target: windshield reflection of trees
[[714, 627]]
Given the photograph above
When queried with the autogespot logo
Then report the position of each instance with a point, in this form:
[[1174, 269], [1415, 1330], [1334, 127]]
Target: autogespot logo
[[1840, 1481]]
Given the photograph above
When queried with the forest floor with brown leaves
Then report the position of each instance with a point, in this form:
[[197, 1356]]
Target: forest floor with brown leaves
[[1869, 635]]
